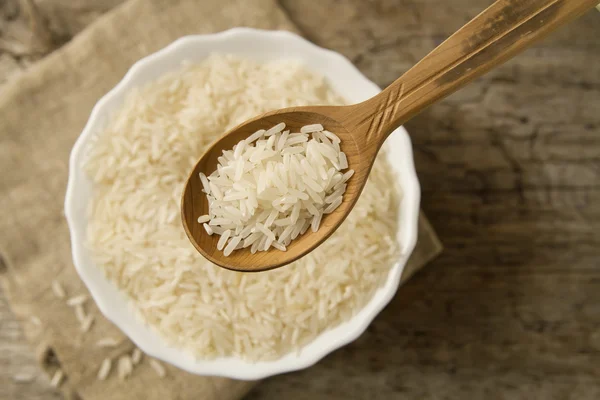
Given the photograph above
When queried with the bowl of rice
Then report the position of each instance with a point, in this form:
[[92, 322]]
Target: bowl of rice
[[126, 175]]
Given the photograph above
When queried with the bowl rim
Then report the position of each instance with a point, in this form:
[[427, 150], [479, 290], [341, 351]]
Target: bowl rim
[[411, 194]]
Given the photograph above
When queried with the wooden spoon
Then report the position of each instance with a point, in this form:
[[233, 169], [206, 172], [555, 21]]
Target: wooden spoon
[[492, 37]]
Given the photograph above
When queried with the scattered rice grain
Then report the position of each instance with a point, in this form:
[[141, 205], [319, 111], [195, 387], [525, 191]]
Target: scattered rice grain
[[58, 290], [77, 300], [158, 368], [57, 378], [104, 369]]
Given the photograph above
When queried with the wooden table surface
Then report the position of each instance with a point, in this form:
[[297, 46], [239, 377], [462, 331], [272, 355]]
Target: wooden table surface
[[510, 170]]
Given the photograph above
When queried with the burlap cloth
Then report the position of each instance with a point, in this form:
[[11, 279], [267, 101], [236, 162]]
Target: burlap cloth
[[41, 114]]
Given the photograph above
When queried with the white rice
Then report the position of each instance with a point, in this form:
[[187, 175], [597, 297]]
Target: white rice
[[264, 189], [23, 377], [124, 367], [80, 313], [58, 289], [158, 368], [107, 342], [57, 378], [77, 300], [104, 369], [87, 323], [139, 165], [136, 356]]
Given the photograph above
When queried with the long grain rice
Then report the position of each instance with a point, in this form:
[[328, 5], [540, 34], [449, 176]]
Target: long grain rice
[[107, 342], [77, 300], [158, 368], [23, 377], [139, 242], [124, 367], [58, 289], [57, 378], [136, 356], [257, 187], [104, 369], [87, 323]]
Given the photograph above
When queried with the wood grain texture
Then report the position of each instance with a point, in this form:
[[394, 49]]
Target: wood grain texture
[[497, 34], [509, 168]]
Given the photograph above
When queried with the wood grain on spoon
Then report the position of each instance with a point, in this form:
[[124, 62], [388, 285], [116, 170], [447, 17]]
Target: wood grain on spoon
[[492, 37]]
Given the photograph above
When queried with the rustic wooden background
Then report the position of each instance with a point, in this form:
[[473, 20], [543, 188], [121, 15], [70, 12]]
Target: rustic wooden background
[[510, 171]]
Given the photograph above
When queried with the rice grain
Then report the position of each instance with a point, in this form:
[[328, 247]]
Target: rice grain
[[124, 367], [104, 369], [58, 290], [158, 368], [57, 378], [77, 300]]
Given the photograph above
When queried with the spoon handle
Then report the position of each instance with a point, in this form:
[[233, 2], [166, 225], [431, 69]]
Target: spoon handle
[[489, 39]]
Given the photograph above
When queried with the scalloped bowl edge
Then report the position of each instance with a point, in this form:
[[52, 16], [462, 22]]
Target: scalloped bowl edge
[[261, 45]]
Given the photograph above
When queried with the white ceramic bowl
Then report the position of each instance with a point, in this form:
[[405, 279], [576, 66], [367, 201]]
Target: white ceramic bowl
[[263, 46]]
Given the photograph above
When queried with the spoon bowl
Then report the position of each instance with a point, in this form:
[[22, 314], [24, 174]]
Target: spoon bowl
[[195, 203], [491, 38]]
